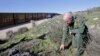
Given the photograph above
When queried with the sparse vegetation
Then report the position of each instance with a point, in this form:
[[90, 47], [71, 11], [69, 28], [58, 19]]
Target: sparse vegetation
[[45, 39]]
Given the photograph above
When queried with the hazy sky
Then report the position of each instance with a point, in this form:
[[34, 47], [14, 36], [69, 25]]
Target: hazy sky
[[59, 6]]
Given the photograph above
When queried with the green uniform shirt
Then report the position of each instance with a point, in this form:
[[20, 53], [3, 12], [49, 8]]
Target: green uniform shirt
[[78, 28]]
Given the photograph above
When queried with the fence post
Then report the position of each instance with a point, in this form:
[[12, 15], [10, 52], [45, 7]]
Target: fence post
[[33, 23]]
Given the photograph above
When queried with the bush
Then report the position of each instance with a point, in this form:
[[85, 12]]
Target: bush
[[22, 30]]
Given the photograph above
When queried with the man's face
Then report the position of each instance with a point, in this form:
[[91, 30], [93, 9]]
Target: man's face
[[68, 21], [67, 18]]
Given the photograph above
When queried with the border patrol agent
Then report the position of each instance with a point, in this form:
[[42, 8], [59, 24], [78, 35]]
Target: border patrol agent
[[76, 27]]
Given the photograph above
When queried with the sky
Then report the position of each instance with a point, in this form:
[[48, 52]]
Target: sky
[[56, 6]]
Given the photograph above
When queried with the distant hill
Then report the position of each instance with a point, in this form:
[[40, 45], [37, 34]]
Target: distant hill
[[92, 15]]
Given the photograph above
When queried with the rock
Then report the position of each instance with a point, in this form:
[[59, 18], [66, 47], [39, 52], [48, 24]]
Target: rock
[[22, 48], [92, 26], [10, 34], [98, 26], [95, 18]]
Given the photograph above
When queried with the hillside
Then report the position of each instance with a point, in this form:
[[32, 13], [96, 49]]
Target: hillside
[[45, 39]]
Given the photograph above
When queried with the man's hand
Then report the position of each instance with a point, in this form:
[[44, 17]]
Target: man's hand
[[62, 47], [70, 33]]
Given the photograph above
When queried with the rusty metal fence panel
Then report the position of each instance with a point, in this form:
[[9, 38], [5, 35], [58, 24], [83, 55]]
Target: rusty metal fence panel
[[19, 18], [7, 19]]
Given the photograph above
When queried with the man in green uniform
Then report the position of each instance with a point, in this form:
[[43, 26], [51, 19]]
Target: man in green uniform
[[76, 27]]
